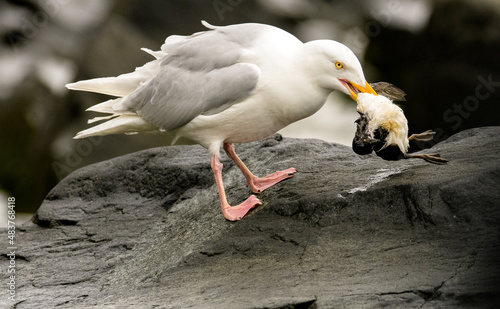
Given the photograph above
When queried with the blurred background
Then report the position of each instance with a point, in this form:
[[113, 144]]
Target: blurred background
[[443, 53]]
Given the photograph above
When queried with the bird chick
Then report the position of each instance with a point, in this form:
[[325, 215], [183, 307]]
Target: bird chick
[[382, 127]]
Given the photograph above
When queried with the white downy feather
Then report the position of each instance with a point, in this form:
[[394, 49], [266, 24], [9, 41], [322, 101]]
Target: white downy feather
[[382, 112]]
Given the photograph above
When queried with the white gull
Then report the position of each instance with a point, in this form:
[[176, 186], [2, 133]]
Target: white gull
[[230, 84]]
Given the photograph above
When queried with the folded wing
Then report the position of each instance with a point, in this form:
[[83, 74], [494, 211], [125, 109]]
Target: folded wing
[[191, 75]]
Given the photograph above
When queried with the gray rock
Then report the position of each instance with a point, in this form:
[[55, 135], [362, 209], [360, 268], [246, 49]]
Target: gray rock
[[145, 231]]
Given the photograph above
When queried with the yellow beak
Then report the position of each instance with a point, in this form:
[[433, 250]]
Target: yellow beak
[[354, 88]]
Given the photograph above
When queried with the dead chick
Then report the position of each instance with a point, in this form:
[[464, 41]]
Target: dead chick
[[382, 127]]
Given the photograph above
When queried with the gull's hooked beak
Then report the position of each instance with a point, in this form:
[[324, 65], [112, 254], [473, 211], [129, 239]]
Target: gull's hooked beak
[[354, 88]]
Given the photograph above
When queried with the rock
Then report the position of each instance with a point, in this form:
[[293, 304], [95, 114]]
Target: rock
[[145, 231]]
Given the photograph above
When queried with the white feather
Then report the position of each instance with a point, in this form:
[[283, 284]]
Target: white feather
[[104, 107], [96, 119], [157, 54], [121, 124], [382, 112], [123, 84]]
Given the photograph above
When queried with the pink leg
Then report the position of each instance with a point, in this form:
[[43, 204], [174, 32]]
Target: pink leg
[[231, 213], [257, 185]]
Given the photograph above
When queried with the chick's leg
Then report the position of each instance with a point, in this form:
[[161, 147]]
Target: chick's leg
[[422, 137], [434, 158]]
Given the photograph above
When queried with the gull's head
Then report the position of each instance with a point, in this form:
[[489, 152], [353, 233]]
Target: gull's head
[[337, 68], [381, 125]]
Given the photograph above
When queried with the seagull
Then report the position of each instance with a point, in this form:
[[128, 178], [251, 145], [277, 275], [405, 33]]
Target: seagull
[[228, 84], [382, 126]]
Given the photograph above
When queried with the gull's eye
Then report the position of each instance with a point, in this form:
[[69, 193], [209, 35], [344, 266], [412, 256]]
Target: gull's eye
[[339, 65]]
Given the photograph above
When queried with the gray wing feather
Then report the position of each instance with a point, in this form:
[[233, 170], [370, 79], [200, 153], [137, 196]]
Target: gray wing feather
[[199, 75]]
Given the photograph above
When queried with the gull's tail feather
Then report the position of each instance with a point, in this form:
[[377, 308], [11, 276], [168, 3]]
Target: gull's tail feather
[[123, 84], [107, 85], [125, 123], [120, 120], [104, 107], [108, 107]]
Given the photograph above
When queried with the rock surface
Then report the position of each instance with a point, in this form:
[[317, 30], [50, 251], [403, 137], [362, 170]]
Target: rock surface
[[145, 231]]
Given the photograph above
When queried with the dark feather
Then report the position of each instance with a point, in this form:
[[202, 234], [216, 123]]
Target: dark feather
[[389, 90]]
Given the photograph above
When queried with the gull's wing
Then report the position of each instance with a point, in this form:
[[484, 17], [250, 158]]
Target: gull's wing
[[198, 74]]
